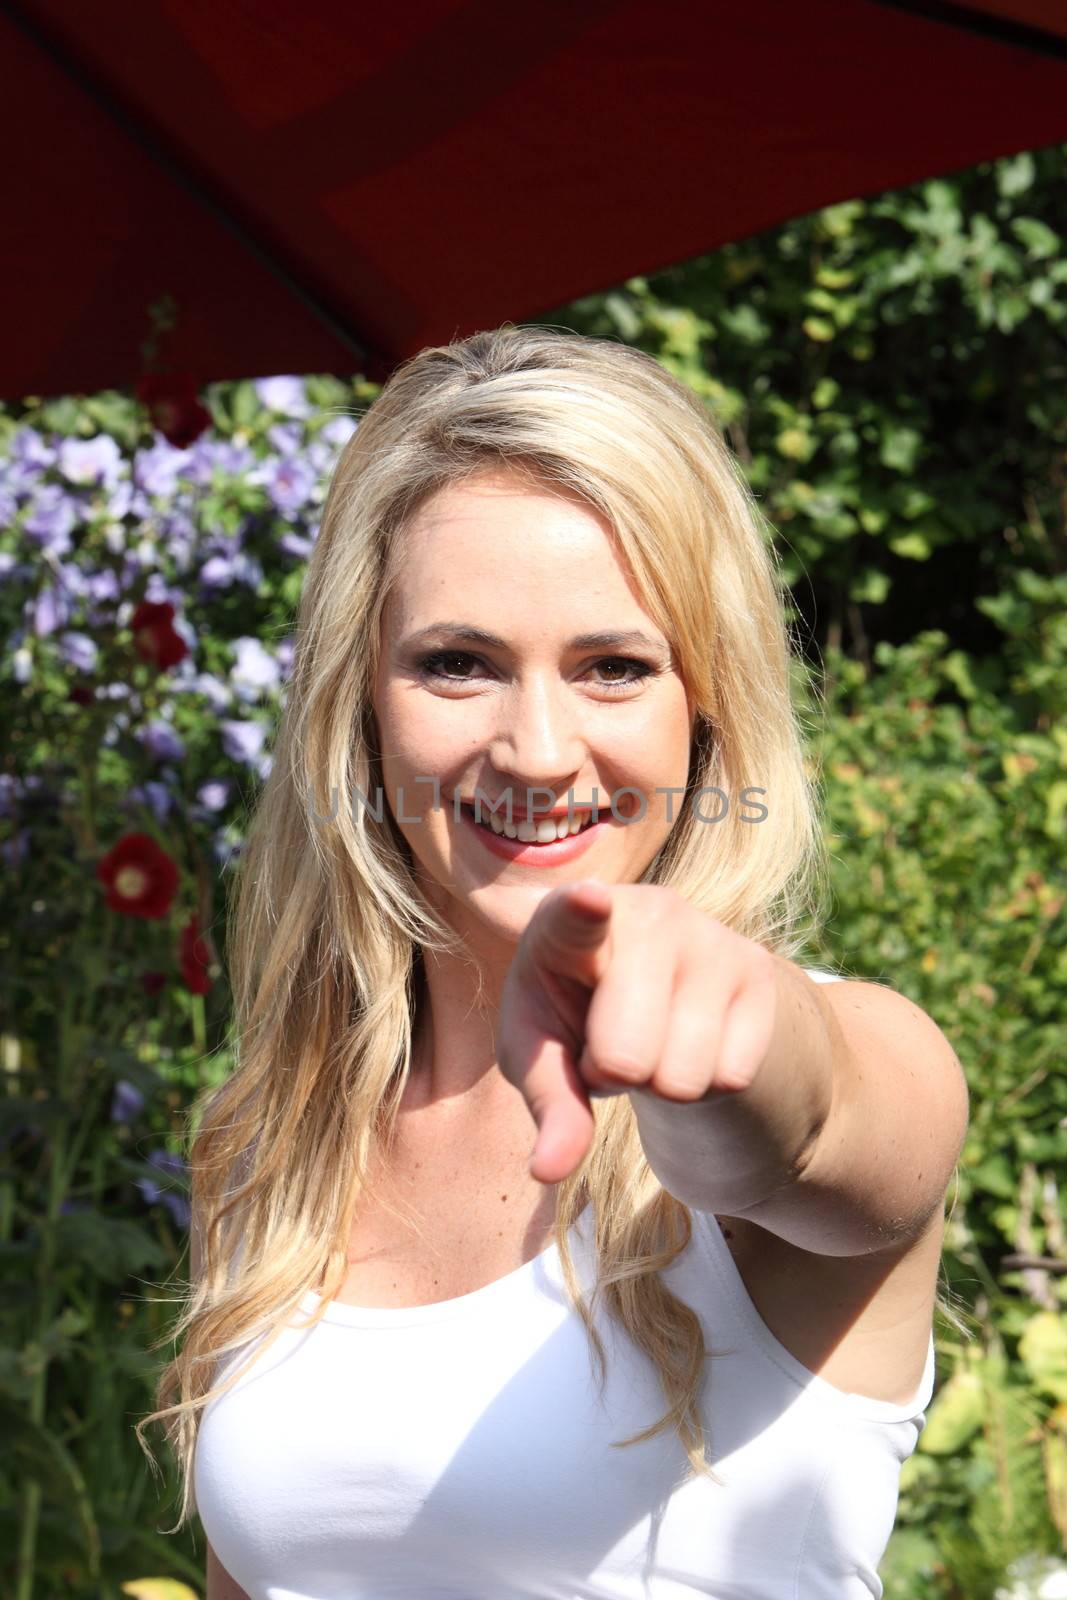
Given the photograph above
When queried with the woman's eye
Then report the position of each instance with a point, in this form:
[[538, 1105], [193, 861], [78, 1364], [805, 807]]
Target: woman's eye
[[433, 666], [442, 665], [636, 670]]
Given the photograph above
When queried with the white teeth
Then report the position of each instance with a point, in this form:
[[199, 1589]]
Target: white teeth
[[547, 831]]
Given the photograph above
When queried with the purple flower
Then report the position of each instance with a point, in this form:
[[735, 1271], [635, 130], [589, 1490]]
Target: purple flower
[[243, 741], [297, 545], [170, 1166], [161, 741], [91, 461], [255, 669], [247, 570], [121, 501], [226, 850], [217, 572], [286, 437], [29, 449], [13, 851], [215, 691], [50, 611], [230, 459], [160, 592], [155, 795], [51, 519], [284, 654], [229, 566], [78, 650], [284, 395], [157, 470], [338, 431], [215, 793], [102, 585], [127, 1102], [289, 483]]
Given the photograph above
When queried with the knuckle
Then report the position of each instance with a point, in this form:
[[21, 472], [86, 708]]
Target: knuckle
[[675, 1083], [623, 1064]]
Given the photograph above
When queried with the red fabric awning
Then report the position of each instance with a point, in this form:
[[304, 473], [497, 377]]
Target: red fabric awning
[[316, 184]]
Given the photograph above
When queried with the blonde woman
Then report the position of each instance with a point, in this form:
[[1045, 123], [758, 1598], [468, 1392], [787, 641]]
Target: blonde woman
[[557, 1235]]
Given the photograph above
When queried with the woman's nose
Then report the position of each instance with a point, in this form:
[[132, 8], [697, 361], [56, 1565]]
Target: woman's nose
[[538, 739]]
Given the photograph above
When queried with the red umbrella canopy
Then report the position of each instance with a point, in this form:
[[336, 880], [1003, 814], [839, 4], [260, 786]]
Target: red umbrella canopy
[[322, 187]]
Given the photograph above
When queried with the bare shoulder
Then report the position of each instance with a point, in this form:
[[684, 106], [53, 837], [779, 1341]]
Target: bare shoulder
[[862, 1323]]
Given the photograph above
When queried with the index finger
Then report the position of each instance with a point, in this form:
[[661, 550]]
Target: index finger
[[571, 932]]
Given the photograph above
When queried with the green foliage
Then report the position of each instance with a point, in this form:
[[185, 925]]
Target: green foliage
[[891, 374]]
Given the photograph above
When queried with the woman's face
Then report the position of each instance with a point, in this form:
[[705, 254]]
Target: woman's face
[[537, 713]]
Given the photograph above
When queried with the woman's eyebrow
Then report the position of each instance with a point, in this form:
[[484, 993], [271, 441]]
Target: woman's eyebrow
[[608, 639]]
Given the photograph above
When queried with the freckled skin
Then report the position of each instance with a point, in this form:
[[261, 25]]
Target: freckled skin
[[536, 569]]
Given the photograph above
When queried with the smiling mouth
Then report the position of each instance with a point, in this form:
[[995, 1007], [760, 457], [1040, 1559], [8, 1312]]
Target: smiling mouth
[[549, 830]]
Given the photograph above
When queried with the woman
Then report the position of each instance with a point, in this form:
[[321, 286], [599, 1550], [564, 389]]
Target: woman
[[503, 1099]]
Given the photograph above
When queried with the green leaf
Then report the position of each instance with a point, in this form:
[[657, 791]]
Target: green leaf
[[246, 406], [746, 324], [1056, 809], [957, 668], [1043, 1350], [994, 1174], [872, 586], [955, 1415], [900, 448], [796, 443], [113, 1247], [819, 329], [1040, 240], [913, 546], [1016, 174], [159, 1589], [37, 1452]]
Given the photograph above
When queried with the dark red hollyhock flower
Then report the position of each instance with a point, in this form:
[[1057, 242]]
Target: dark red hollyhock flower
[[152, 982], [82, 694], [173, 403], [194, 955], [154, 637], [140, 878]]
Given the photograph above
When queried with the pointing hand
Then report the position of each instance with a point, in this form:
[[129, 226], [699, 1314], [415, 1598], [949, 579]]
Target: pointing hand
[[627, 989]]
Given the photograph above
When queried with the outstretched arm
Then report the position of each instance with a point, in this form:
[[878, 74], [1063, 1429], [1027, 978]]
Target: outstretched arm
[[831, 1115]]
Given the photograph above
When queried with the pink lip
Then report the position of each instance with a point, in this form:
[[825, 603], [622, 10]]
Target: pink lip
[[534, 855]]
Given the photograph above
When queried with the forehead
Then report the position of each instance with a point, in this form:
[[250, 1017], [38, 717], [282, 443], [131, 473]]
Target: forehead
[[499, 534]]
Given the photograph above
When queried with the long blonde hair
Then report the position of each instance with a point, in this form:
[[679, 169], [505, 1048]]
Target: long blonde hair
[[329, 923]]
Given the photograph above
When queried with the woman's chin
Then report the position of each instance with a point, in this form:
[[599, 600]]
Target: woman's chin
[[503, 910]]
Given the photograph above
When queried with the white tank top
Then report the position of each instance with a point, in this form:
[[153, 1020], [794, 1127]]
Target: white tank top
[[461, 1451]]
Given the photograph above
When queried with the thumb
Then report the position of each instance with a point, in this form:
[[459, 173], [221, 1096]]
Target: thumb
[[558, 1104]]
